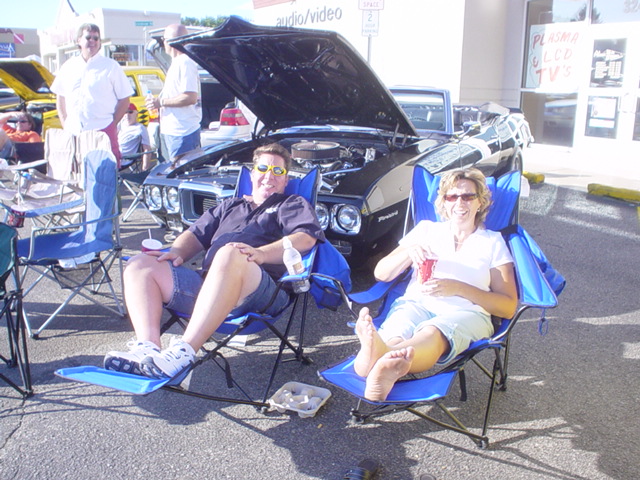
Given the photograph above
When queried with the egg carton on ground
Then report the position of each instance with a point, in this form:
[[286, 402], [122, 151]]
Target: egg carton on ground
[[298, 397]]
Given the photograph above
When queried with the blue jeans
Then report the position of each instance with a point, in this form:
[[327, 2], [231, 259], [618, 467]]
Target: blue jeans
[[187, 284]]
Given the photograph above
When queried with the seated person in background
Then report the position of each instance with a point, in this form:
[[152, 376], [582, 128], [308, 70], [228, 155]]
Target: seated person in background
[[434, 321], [133, 137], [242, 238], [24, 131]]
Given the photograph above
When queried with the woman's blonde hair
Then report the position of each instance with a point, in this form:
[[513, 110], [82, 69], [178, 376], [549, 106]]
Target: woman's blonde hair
[[449, 180]]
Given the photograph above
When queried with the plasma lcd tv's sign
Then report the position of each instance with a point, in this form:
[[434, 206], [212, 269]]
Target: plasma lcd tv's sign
[[553, 57]]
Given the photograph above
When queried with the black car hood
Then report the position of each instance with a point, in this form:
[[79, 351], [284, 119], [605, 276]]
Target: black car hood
[[291, 77]]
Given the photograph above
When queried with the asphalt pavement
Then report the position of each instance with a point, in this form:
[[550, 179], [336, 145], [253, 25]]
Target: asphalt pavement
[[569, 411]]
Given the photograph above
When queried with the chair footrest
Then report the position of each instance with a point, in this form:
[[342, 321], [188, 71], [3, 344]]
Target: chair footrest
[[425, 389], [124, 382]]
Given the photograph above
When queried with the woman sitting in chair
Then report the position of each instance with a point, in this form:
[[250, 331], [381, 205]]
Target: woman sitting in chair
[[449, 306], [24, 131]]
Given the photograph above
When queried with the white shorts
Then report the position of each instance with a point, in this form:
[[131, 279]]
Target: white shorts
[[460, 328]]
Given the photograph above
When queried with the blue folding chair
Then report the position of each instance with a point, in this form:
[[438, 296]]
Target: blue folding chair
[[538, 287], [78, 256], [322, 259]]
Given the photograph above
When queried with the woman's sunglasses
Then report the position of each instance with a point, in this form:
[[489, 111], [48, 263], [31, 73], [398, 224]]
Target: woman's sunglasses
[[466, 197], [95, 38], [277, 171]]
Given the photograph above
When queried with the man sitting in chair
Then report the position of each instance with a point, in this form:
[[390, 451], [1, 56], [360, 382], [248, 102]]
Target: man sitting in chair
[[243, 242], [133, 137], [462, 275]]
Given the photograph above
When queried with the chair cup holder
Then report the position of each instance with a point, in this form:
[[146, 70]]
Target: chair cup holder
[[301, 398]]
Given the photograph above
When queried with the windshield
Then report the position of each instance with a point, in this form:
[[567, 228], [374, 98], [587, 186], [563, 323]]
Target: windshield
[[426, 111]]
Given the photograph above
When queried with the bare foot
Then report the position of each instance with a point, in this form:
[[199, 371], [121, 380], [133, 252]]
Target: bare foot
[[384, 374], [371, 345]]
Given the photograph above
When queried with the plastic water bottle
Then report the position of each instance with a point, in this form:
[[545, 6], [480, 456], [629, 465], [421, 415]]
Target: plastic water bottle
[[293, 261], [153, 112]]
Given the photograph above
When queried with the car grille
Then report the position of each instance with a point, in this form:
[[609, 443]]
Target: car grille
[[203, 202], [194, 203]]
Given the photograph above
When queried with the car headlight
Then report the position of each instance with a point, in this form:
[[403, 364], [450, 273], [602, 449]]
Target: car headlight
[[346, 219], [322, 212], [170, 200], [153, 197]]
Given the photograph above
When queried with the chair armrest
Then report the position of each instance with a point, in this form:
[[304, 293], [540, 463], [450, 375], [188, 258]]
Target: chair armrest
[[26, 166]]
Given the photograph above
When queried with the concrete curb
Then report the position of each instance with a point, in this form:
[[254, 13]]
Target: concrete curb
[[533, 177], [625, 194], [619, 193]]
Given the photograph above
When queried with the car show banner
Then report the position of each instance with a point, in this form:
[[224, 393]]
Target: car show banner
[[553, 62]]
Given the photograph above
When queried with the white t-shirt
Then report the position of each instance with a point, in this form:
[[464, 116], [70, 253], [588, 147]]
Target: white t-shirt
[[130, 137], [480, 252], [182, 77], [91, 90]]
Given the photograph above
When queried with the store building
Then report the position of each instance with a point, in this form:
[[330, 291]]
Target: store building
[[124, 34], [18, 42], [581, 74], [573, 66]]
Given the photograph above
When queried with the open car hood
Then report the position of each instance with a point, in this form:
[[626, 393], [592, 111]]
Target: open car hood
[[29, 79], [293, 77]]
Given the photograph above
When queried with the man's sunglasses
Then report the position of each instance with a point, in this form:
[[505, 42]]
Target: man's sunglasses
[[466, 197], [276, 170], [95, 38], [130, 111]]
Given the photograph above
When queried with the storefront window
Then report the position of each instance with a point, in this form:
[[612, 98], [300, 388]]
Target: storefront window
[[612, 11], [551, 117], [125, 54], [553, 67], [602, 117]]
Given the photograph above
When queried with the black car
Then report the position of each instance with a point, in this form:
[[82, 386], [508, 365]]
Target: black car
[[314, 94]]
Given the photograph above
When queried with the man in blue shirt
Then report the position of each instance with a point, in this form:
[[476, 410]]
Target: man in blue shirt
[[242, 240]]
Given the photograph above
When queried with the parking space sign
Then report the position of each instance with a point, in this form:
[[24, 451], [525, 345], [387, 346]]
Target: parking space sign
[[370, 23], [371, 5]]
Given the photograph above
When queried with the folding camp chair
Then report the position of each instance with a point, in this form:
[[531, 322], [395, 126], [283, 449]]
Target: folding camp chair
[[132, 177], [57, 197], [538, 287], [322, 259], [11, 311], [72, 255]]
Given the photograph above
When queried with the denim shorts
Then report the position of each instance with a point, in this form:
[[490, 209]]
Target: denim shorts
[[187, 284], [460, 328], [177, 144]]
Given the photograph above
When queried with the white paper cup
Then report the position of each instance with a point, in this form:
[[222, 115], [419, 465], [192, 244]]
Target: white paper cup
[[151, 244]]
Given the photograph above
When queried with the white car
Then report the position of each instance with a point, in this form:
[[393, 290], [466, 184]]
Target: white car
[[236, 123]]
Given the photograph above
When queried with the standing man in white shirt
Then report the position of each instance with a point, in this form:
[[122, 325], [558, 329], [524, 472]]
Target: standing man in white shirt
[[92, 90], [179, 101]]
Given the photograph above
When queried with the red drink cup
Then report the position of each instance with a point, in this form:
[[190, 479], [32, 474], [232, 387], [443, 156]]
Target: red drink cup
[[151, 244], [426, 269]]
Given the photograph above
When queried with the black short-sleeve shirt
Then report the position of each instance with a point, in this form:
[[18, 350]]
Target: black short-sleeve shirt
[[238, 220]]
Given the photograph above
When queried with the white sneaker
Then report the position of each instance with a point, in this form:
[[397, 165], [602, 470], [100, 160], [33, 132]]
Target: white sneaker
[[129, 362], [169, 362]]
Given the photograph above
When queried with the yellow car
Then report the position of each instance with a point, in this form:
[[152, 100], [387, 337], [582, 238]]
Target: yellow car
[[143, 80], [31, 81]]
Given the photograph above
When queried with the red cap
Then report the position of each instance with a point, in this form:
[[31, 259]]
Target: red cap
[[133, 107]]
